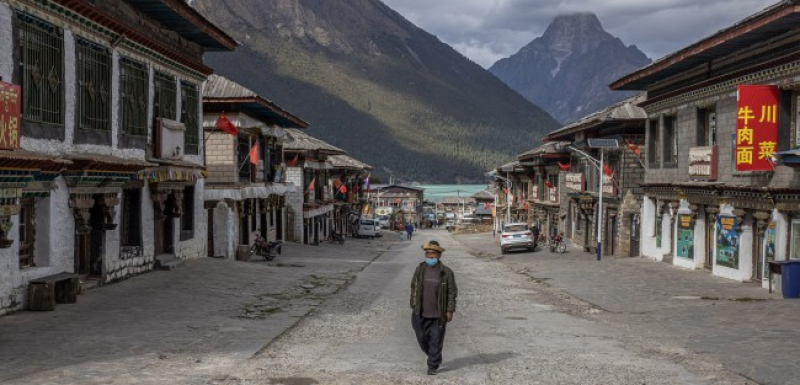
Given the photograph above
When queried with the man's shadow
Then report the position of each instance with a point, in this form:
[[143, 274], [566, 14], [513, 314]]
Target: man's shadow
[[475, 359]]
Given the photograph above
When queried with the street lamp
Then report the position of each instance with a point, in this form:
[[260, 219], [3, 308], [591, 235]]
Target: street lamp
[[600, 144]]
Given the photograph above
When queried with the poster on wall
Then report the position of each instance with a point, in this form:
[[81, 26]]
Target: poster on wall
[[769, 248], [685, 246], [9, 116], [794, 238], [727, 242]]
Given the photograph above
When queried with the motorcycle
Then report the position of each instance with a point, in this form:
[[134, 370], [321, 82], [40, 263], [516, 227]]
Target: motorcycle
[[335, 237], [267, 249]]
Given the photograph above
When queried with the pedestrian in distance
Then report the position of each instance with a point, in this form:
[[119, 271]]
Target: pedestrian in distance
[[409, 230], [433, 302], [535, 231]]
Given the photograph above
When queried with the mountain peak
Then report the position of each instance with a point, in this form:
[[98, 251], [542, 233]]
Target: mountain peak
[[566, 70]]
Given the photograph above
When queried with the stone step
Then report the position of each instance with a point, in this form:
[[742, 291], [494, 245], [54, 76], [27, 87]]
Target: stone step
[[168, 262]]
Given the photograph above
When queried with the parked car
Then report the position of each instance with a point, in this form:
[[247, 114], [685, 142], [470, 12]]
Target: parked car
[[450, 225], [516, 236], [368, 228]]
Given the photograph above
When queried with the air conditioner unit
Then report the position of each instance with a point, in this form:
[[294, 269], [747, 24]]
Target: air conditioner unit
[[169, 139]]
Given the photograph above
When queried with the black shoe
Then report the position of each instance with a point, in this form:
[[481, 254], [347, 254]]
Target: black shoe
[[431, 371]]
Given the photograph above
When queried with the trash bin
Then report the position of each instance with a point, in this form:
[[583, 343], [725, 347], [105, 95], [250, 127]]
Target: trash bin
[[790, 278]]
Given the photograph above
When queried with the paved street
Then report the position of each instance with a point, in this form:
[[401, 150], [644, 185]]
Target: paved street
[[688, 315], [290, 322]]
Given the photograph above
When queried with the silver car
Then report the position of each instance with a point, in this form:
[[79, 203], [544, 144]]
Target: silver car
[[516, 236]]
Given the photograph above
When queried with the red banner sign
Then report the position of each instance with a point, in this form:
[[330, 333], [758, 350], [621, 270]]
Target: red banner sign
[[9, 116], [756, 128]]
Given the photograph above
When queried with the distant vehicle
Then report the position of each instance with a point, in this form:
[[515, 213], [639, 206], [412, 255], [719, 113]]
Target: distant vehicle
[[368, 228], [383, 220], [516, 236], [450, 225]]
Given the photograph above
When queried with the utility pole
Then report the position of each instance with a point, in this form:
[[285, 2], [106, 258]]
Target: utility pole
[[600, 144]]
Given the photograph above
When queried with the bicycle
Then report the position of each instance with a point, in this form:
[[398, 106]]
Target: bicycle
[[543, 240], [335, 237], [558, 244]]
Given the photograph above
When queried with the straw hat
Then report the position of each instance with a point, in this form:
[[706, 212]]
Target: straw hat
[[433, 245]]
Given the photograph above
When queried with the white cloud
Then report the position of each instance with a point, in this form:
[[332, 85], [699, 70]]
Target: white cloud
[[488, 30]]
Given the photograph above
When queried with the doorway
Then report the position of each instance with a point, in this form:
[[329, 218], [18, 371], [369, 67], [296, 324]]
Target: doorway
[[164, 229], [90, 243], [611, 233], [635, 235]]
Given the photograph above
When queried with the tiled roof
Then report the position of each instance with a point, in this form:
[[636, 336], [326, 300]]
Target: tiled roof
[[345, 161], [300, 141], [627, 109]]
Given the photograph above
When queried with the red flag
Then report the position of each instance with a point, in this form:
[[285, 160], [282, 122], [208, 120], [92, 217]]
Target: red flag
[[254, 154], [525, 205], [293, 162], [548, 184], [607, 170], [311, 185], [226, 125], [564, 167], [505, 190], [633, 147], [487, 206], [397, 200], [343, 189]]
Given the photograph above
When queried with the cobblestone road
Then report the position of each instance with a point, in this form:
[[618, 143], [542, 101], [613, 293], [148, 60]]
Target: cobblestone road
[[690, 315]]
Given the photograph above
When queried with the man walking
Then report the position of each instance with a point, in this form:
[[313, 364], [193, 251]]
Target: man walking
[[433, 300], [409, 230]]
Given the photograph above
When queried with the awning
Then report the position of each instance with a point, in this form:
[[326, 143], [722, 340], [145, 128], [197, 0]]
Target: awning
[[101, 162], [246, 192], [317, 211]]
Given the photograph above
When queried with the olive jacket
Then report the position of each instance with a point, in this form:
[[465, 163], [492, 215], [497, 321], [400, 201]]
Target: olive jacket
[[447, 292]]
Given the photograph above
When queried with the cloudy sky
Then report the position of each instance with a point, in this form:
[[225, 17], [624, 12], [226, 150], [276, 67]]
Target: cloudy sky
[[489, 30]]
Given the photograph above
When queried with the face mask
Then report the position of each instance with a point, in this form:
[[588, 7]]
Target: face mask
[[431, 261]]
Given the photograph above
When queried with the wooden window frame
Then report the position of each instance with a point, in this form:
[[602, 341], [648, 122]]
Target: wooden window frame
[[190, 97], [134, 95], [94, 85], [42, 76], [165, 96], [670, 138]]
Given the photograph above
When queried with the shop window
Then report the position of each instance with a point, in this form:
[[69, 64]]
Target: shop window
[[41, 55], [706, 127], [94, 86], [27, 232], [165, 96], [653, 141], [189, 117], [187, 218], [670, 150], [134, 92], [131, 217]]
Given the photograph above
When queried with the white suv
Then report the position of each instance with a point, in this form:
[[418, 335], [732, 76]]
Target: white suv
[[516, 236], [368, 228]]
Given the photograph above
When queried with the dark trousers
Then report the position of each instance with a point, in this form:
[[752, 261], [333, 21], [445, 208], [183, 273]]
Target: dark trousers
[[430, 337]]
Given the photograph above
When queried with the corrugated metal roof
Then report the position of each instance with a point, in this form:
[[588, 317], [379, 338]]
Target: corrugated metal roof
[[345, 161], [758, 27], [624, 110], [300, 141], [545, 149], [220, 91], [510, 166]]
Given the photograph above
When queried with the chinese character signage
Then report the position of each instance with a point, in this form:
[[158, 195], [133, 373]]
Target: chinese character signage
[[727, 242], [9, 116], [703, 163], [756, 128], [685, 246]]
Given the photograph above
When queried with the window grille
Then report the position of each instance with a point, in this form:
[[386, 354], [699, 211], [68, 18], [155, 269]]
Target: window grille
[[41, 52], [165, 94], [134, 94], [94, 86], [189, 116]]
